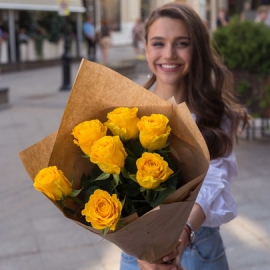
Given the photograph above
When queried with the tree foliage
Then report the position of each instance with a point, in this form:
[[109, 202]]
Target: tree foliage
[[244, 45]]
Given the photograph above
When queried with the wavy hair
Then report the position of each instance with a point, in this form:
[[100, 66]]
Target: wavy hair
[[209, 84]]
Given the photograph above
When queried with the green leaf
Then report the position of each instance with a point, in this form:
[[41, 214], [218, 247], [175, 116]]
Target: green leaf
[[130, 165], [77, 200], [89, 192], [75, 193], [148, 194], [133, 177], [123, 202], [142, 189], [84, 179], [128, 208], [72, 178], [159, 188], [106, 185], [103, 176], [129, 152], [62, 203], [125, 173], [96, 172], [131, 189], [137, 149], [116, 179], [120, 224], [104, 231], [173, 181], [171, 164], [161, 196]]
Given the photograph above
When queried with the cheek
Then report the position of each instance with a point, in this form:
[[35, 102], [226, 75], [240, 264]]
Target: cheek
[[151, 59], [186, 54], [151, 67], [149, 53]]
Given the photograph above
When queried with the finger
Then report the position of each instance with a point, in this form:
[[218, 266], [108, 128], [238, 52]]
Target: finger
[[147, 266], [175, 253], [179, 242]]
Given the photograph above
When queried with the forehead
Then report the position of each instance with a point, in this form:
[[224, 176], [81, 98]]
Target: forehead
[[168, 27]]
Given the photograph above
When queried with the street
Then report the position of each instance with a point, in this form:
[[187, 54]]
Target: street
[[34, 235]]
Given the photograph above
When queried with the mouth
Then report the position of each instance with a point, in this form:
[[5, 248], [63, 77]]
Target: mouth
[[170, 66]]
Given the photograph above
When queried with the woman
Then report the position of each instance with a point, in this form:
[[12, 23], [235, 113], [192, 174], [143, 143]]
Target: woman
[[184, 65]]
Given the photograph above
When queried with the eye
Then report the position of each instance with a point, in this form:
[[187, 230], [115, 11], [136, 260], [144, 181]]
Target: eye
[[182, 44], [157, 44]]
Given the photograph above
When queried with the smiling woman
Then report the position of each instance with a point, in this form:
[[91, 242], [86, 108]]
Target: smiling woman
[[168, 52], [185, 66]]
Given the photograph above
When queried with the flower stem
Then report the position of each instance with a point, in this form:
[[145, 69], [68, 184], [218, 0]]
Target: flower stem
[[75, 199], [148, 194]]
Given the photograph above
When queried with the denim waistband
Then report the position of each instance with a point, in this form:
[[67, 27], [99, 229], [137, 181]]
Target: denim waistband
[[205, 232]]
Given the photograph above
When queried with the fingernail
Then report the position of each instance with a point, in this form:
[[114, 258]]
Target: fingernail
[[165, 259], [174, 268]]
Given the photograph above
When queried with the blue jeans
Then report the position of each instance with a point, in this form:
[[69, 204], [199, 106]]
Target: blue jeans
[[206, 253]]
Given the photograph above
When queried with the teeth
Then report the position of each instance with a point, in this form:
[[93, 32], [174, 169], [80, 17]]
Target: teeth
[[169, 66]]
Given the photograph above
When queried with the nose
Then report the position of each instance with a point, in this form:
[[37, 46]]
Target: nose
[[169, 52]]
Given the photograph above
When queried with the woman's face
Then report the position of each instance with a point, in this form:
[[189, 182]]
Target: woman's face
[[168, 50]]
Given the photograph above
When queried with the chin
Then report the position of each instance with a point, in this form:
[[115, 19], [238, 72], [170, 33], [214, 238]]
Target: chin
[[172, 82]]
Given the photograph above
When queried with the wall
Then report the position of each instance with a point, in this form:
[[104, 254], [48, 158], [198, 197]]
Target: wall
[[130, 11], [3, 52], [50, 51]]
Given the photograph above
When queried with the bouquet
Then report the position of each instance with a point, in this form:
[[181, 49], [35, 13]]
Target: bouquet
[[133, 172], [147, 219]]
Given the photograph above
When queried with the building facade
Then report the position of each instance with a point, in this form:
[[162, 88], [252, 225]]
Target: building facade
[[11, 13], [121, 15]]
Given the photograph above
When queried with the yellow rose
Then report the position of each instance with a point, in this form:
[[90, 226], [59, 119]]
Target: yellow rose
[[123, 122], [87, 132], [152, 170], [102, 210], [109, 154], [53, 183], [154, 131]]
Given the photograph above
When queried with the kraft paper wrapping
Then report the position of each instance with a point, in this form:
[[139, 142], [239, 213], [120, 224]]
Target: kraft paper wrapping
[[96, 91]]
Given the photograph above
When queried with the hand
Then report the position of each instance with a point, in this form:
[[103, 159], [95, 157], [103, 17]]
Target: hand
[[171, 261], [148, 266]]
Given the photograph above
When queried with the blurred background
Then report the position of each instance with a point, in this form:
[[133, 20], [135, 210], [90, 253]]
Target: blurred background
[[43, 33], [33, 30], [41, 46]]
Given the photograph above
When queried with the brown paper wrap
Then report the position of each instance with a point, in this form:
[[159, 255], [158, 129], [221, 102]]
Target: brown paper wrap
[[96, 91]]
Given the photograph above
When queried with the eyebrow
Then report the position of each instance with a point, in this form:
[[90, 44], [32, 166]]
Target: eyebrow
[[161, 38]]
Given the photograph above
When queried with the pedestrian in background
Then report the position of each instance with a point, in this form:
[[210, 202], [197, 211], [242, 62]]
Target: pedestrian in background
[[247, 13], [223, 18], [185, 66], [90, 36], [138, 39], [105, 41], [262, 15]]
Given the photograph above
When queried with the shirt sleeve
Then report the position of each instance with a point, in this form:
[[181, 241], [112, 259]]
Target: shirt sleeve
[[215, 195]]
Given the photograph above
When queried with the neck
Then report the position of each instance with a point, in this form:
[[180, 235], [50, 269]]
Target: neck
[[167, 91]]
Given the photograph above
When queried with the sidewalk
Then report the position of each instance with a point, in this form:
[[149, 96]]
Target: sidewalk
[[34, 235]]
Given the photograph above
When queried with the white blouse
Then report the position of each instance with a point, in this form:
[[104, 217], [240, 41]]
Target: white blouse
[[215, 197]]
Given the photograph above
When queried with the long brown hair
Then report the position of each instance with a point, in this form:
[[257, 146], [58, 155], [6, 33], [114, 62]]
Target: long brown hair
[[209, 83]]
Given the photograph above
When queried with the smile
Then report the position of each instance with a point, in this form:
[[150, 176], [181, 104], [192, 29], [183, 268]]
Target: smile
[[169, 66]]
